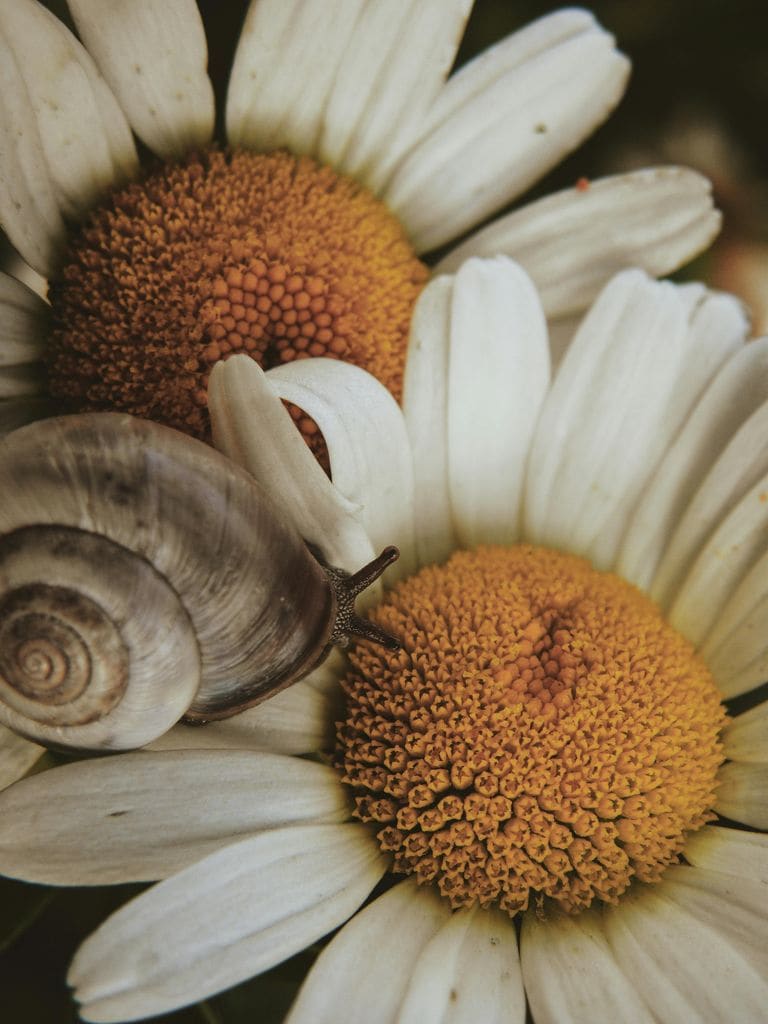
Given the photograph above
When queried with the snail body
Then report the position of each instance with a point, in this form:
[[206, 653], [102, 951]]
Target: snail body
[[144, 577]]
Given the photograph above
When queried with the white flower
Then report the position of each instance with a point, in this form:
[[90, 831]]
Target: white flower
[[362, 87], [646, 455]]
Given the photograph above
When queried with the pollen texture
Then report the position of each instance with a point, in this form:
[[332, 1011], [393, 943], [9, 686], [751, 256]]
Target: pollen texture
[[267, 254], [542, 734]]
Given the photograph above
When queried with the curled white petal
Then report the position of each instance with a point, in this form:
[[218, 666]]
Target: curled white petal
[[251, 426], [368, 446], [722, 572]]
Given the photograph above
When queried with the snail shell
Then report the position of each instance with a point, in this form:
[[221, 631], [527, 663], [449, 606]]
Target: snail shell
[[144, 577]]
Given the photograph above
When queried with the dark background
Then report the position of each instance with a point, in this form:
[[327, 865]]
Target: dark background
[[698, 95]]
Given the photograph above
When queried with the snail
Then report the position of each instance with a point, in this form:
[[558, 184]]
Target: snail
[[144, 578]]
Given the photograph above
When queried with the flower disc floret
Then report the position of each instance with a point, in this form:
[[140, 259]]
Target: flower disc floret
[[543, 732], [269, 254]]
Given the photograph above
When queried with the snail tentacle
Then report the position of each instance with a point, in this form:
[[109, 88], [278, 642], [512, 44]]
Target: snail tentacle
[[347, 586]]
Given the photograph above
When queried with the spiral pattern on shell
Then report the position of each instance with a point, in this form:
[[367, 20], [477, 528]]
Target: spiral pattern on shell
[[143, 577]]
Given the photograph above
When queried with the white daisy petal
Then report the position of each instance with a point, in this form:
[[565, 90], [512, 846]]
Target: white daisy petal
[[17, 756], [271, 895], [499, 127], [729, 851], [363, 974], [394, 67], [15, 412], [85, 145], [742, 794], [269, 105], [685, 969], [572, 242], [746, 736], [147, 815], [23, 323], [253, 428], [498, 374], [154, 57], [468, 972], [734, 394], [736, 650], [368, 448], [298, 720], [425, 408], [732, 550], [571, 975], [591, 459], [736, 473], [733, 907]]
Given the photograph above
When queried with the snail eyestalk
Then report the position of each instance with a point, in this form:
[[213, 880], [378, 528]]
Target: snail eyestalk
[[347, 586]]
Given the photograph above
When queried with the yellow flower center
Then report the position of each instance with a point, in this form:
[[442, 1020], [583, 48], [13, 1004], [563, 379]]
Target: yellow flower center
[[267, 254], [542, 733]]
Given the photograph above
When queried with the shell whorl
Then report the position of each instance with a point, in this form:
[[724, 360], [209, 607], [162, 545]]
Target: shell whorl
[[143, 577]]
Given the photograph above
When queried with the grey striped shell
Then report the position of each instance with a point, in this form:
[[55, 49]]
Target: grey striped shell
[[144, 577]]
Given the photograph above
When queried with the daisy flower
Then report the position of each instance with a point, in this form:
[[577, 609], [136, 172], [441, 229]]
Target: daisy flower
[[352, 153], [521, 805]]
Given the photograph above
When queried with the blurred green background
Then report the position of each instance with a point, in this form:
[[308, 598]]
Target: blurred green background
[[699, 96]]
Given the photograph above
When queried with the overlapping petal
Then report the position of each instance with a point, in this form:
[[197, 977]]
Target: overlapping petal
[[251, 426], [591, 457], [66, 140], [297, 720], [728, 404], [686, 969], [561, 989], [367, 443], [273, 894], [154, 56], [268, 103], [503, 121], [571, 243]]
